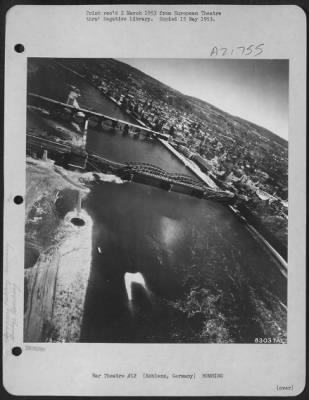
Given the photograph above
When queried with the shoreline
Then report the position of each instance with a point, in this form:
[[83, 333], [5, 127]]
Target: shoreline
[[56, 280], [254, 232], [189, 164]]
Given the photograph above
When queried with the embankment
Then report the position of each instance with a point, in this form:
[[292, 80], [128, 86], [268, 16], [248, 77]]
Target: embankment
[[56, 280]]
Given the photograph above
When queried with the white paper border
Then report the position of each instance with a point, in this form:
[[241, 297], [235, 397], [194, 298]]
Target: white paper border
[[62, 31]]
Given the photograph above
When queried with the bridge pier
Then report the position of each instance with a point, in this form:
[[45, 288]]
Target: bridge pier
[[126, 129], [78, 116], [107, 122], [98, 123], [93, 121]]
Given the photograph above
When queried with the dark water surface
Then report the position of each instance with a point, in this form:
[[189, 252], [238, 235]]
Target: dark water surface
[[207, 279]]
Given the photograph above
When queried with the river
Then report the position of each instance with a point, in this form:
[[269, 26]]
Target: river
[[206, 278]]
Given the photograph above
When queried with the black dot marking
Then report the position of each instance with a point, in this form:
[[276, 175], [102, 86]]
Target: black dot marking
[[78, 221], [18, 199], [16, 351], [19, 48]]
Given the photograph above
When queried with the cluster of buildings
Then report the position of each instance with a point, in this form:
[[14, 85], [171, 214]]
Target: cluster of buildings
[[233, 152]]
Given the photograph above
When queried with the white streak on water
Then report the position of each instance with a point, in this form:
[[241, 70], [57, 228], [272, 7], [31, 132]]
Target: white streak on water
[[130, 278]]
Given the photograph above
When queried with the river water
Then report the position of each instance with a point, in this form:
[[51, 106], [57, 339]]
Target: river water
[[206, 278]]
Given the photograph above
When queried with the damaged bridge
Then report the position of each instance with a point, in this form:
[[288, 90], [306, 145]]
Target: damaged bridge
[[143, 173]]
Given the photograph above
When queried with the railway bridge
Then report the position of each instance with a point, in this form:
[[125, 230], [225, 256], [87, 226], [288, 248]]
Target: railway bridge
[[130, 171], [155, 176]]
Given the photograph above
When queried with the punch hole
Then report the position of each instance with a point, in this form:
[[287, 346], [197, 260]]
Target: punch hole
[[16, 351], [18, 199], [19, 48]]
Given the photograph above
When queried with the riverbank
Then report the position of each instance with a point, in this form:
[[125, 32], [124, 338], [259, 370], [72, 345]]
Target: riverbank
[[282, 264], [57, 258], [58, 252], [190, 165]]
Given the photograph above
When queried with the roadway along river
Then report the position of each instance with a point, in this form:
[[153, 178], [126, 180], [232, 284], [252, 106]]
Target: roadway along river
[[206, 278]]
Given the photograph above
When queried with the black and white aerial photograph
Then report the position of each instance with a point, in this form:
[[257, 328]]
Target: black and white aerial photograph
[[156, 201]]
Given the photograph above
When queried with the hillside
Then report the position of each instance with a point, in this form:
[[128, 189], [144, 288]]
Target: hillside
[[185, 103]]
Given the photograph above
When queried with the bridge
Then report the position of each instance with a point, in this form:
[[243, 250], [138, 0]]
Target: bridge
[[85, 117], [152, 170], [155, 176], [131, 171]]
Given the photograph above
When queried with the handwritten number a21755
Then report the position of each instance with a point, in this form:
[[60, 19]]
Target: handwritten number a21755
[[251, 50]]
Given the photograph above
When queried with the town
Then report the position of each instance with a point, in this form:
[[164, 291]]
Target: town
[[239, 156]]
